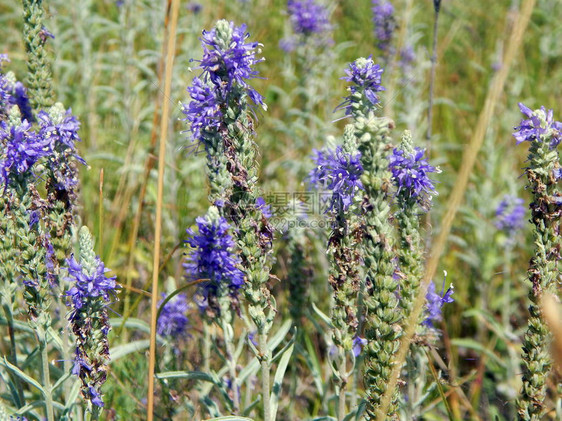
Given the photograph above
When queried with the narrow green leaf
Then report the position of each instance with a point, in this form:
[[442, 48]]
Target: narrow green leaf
[[253, 366], [4, 362], [73, 395], [191, 375], [122, 350], [322, 315], [278, 379], [131, 322]]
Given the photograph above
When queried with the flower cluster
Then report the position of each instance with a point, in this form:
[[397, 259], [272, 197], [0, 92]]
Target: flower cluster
[[89, 285], [383, 20], [227, 64], [435, 303], [410, 174], [538, 124], [204, 110], [60, 127], [510, 214], [90, 294], [228, 60], [13, 93], [21, 149], [173, 321], [212, 257], [365, 78], [310, 22], [338, 172], [307, 17], [55, 138]]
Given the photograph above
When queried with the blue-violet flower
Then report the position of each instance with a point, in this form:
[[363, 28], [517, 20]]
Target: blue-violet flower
[[383, 20], [212, 257], [173, 321], [338, 172], [410, 174], [510, 214], [365, 78], [435, 303], [539, 123]]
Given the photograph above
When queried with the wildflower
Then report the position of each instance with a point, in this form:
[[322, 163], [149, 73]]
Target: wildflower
[[22, 148], [365, 77], [510, 214], [540, 123], [308, 17], [226, 65], [60, 127], [358, 344], [410, 174], [212, 258], [543, 171], [264, 207], [194, 7], [340, 173], [435, 303], [173, 321], [383, 20], [89, 295], [204, 110], [89, 284], [407, 57], [229, 61]]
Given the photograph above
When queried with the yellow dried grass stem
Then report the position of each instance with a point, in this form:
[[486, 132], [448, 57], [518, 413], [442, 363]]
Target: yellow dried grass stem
[[469, 158], [171, 50]]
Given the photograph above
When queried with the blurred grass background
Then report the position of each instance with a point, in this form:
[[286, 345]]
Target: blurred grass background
[[108, 59]]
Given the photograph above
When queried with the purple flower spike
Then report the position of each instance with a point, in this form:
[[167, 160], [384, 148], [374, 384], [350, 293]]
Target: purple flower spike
[[62, 134], [20, 98], [307, 17], [22, 149], [338, 172], [410, 174], [383, 20], [212, 257], [203, 111], [87, 286], [173, 321], [510, 215], [365, 78], [229, 62], [538, 124]]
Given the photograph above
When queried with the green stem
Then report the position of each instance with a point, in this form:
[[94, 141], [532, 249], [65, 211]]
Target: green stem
[[46, 377], [343, 383], [228, 337], [13, 357], [206, 348], [265, 363]]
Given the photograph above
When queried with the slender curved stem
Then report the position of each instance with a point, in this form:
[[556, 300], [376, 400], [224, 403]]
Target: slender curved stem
[[158, 223], [432, 77]]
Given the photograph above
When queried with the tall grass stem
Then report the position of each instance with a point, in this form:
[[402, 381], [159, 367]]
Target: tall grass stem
[[171, 49]]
